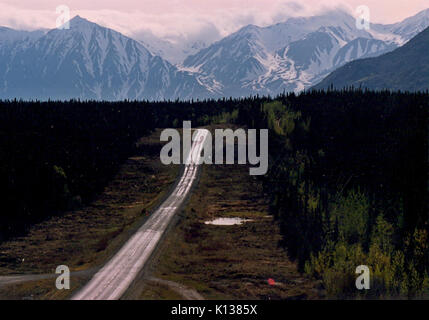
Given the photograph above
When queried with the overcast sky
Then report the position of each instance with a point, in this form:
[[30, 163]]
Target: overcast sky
[[191, 19]]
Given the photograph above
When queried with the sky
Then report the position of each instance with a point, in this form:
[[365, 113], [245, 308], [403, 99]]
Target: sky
[[191, 20]]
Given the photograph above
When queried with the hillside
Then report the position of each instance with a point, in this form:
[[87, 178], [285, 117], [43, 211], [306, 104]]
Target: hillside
[[406, 68]]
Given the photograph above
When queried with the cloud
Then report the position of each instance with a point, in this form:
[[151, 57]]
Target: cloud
[[207, 31], [190, 20]]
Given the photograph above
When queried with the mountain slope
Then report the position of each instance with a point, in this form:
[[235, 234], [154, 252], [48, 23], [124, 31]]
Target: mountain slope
[[289, 56], [92, 62], [408, 28], [8, 35], [406, 68], [88, 61], [174, 53], [306, 61]]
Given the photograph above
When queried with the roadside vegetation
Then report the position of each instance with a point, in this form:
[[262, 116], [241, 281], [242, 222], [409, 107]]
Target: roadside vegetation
[[58, 156], [348, 185], [83, 239], [228, 261]]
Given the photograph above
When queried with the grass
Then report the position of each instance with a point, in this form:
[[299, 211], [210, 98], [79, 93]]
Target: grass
[[157, 291], [38, 289], [220, 262], [228, 262], [86, 238]]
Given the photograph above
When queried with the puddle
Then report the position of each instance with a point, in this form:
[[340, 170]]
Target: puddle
[[227, 221]]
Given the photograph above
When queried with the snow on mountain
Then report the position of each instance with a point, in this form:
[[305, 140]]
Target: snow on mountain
[[305, 62], [293, 55], [175, 53], [408, 28], [405, 68], [88, 61], [92, 62]]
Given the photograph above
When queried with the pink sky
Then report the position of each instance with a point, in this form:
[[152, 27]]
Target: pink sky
[[187, 19]]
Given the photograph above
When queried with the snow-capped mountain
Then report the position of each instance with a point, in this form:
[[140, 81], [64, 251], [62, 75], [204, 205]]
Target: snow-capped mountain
[[387, 71], [293, 55], [406, 29], [90, 62], [175, 53], [306, 61]]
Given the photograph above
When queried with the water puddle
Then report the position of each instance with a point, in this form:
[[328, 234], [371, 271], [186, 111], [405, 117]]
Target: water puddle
[[227, 221]]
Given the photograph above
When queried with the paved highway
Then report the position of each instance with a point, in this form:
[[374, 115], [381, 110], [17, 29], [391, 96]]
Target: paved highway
[[111, 281]]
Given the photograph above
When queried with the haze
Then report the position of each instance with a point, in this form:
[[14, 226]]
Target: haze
[[191, 20]]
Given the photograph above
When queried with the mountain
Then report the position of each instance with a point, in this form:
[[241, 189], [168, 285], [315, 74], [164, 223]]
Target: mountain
[[406, 68], [10, 36], [174, 53], [306, 61], [406, 29], [293, 55], [88, 61]]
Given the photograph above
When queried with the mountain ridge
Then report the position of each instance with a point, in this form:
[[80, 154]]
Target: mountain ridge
[[266, 65], [90, 61], [387, 71]]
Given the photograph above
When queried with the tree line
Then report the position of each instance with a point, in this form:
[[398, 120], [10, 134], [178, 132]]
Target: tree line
[[348, 184], [58, 155]]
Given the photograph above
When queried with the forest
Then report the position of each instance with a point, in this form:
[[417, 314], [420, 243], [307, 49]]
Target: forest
[[347, 179], [57, 156], [348, 183]]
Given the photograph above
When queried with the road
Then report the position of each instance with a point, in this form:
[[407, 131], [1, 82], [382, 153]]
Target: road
[[114, 278]]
